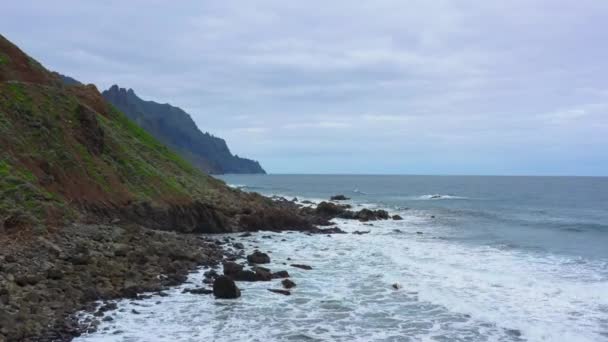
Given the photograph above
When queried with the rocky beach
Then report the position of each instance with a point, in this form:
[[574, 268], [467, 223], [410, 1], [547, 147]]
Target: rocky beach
[[48, 276]]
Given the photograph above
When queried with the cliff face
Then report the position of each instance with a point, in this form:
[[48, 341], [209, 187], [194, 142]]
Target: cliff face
[[175, 127]]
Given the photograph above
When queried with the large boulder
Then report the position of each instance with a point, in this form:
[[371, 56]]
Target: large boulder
[[339, 198], [258, 258], [224, 287], [231, 268]]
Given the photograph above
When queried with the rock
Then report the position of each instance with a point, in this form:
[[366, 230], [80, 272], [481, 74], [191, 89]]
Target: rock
[[396, 286], [357, 232], [304, 267], [231, 268], [288, 283], [419, 233], [306, 202], [283, 292], [258, 258], [198, 291], [245, 234], [135, 312], [280, 274], [224, 287], [329, 210], [339, 198], [365, 215], [262, 274], [238, 245], [397, 218]]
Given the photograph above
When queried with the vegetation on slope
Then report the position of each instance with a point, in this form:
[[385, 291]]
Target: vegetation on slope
[[64, 148]]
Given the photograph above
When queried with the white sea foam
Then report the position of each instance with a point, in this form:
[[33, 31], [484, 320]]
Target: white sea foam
[[450, 292]]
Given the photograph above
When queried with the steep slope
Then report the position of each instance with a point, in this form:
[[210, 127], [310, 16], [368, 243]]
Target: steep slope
[[175, 127], [66, 152]]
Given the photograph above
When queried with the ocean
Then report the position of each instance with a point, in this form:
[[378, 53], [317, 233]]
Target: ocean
[[477, 258]]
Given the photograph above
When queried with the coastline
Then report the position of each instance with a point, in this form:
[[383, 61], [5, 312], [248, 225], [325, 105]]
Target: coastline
[[49, 276]]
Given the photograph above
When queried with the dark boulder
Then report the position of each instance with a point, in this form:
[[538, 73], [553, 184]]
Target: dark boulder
[[224, 287], [304, 267], [262, 274], [231, 268], [357, 232], [339, 198], [288, 283], [397, 218], [258, 258]]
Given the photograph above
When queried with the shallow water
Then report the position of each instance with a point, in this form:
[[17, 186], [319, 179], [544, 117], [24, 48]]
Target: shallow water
[[499, 261]]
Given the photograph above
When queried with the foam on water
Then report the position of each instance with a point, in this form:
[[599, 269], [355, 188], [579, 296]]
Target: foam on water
[[450, 292]]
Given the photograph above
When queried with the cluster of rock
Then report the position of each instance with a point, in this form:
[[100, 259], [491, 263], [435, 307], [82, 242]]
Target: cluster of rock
[[329, 210], [224, 285]]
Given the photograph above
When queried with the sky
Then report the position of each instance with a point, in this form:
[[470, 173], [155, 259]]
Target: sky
[[516, 87]]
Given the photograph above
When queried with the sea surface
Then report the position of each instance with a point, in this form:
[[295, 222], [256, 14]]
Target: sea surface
[[476, 259]]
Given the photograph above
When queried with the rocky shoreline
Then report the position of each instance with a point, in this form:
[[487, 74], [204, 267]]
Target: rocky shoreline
[[47, 276]]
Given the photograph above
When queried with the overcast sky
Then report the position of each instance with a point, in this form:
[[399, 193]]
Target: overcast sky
[[342, 86]]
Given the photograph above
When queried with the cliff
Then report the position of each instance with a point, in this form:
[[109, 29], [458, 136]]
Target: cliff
[[176, 129]]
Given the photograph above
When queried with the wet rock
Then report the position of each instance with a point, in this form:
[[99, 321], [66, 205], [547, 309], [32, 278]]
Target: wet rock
[[397, 218], [357, 232], [304, 267], [258, 258], [419, 233], [339, 198], [329, 210], [198, 291], [262, 274], [232, 268], [224, 287], [288, 284], [238, 245], [283, 292], [280, 274], [247, 234], [396, 286]]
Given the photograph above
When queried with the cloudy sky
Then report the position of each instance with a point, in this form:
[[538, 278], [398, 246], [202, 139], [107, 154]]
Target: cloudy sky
[[414, 87]]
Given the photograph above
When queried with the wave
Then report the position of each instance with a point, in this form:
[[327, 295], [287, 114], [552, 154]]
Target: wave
[[439, 197]]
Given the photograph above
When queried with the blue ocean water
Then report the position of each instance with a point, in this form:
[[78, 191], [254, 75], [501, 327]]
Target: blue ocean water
[[566, 215], [475, 259]]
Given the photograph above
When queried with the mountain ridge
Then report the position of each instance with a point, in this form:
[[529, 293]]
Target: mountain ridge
[[175, 127]]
